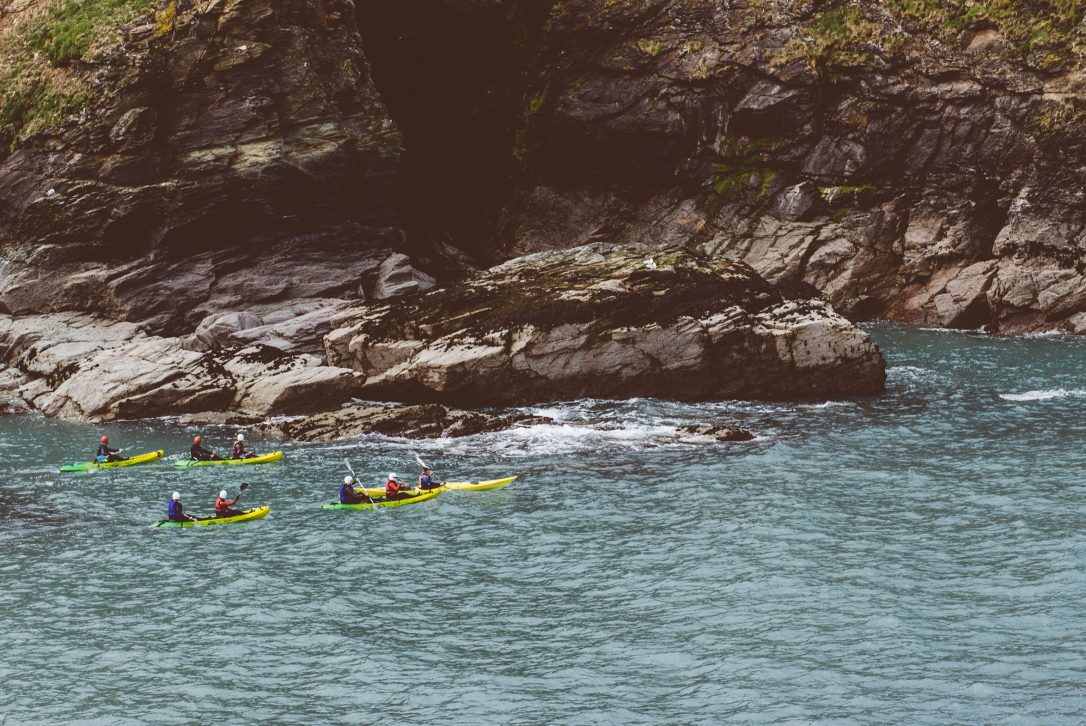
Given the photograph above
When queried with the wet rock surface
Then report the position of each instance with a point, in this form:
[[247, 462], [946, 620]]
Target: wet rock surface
[[719, 432], [605, 321]]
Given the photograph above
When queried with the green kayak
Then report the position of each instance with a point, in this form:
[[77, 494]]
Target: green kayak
[[130, 461], [262, 459]]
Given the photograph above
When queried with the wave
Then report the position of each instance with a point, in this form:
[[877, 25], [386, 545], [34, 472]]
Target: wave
[[1044, 395]]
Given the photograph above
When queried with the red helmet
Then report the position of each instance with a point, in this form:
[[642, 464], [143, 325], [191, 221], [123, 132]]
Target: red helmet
[[197, 440], [105, 439]]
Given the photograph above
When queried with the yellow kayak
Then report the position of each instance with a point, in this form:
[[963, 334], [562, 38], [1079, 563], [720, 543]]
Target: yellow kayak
[[450, 486], [130, 461], [382, 503], [262, 459], [247, 516]]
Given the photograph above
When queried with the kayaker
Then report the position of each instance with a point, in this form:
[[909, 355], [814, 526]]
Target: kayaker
[[222, 506], [347, 493], [239, 448], [426, 480], [199, 453], [394, 488], [107, 454], [176, 512]]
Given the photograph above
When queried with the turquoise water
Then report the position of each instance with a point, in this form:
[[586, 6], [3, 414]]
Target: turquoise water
[[912, 558]]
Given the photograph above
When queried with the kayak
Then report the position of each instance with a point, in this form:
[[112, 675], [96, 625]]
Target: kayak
[[332, 506], [451, 486], [246, 516], [262, 459], [130, 461]]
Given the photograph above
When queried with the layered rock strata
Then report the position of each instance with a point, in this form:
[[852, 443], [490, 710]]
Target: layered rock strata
[[605, 321]]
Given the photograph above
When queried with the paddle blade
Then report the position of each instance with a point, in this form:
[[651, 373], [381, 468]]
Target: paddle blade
[[421, 462], [243, 487], [347, 462]]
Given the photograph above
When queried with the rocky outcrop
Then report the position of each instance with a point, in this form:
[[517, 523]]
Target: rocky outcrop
[[80, 368], [605, 321], [416, 422]]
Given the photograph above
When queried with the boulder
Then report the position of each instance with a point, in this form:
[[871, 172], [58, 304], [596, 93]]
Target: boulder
[[605, 321], [396, 278]]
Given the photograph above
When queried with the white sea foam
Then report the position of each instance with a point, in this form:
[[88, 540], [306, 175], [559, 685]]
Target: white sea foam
[[1044, 395]]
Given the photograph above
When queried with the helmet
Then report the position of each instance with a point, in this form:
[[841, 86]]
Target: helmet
[[105, 439], [394, 478], [223, 494], [197, 439], [241, 437], [348, 479], [176, 496]]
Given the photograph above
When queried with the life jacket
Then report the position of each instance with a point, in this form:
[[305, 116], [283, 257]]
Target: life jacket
[[391, 488], [221, 505], [175, 509], [239, 449], [346, 492], [103, 450]]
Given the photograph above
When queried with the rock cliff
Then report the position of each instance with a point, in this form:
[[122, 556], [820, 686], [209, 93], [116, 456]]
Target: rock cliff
[[920, 161]]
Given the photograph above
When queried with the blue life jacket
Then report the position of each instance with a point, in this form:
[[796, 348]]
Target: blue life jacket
[[103, 450], [175, 508], [346, 492]]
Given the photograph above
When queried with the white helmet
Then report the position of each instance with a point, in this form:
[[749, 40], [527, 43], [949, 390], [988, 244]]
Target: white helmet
[[176, 495], [393, 477], [223, 494], [241, 437], [348, 479]]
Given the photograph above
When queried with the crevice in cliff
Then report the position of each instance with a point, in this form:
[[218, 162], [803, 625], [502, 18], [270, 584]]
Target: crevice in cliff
[[452, 76]]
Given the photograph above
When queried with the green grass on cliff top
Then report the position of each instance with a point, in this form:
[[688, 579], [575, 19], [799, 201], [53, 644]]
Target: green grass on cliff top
[[38, 87], [72, 27]]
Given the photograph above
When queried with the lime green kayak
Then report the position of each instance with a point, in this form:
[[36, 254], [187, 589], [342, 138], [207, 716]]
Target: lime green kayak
[[246, 516], [378, 502], [262, 459], [450, 486], [130, 461]]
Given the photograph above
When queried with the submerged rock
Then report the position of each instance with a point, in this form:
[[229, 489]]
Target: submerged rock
[[718, 432], [605, 321], [424, 422]]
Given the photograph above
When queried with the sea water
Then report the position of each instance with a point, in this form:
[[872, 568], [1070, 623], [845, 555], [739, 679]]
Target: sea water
[[915, 557]]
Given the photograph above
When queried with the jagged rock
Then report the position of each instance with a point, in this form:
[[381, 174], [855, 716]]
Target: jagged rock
[[718, 432], [396, 277], [81, 368], [421, 422], [297, 327], [601, 321]]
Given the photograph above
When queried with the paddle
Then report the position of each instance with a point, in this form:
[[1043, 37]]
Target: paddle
[[355, 477]]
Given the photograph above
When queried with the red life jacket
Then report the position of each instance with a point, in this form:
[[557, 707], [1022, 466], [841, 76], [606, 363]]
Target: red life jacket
[[391, 488], [239, 449], [221, 505]]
